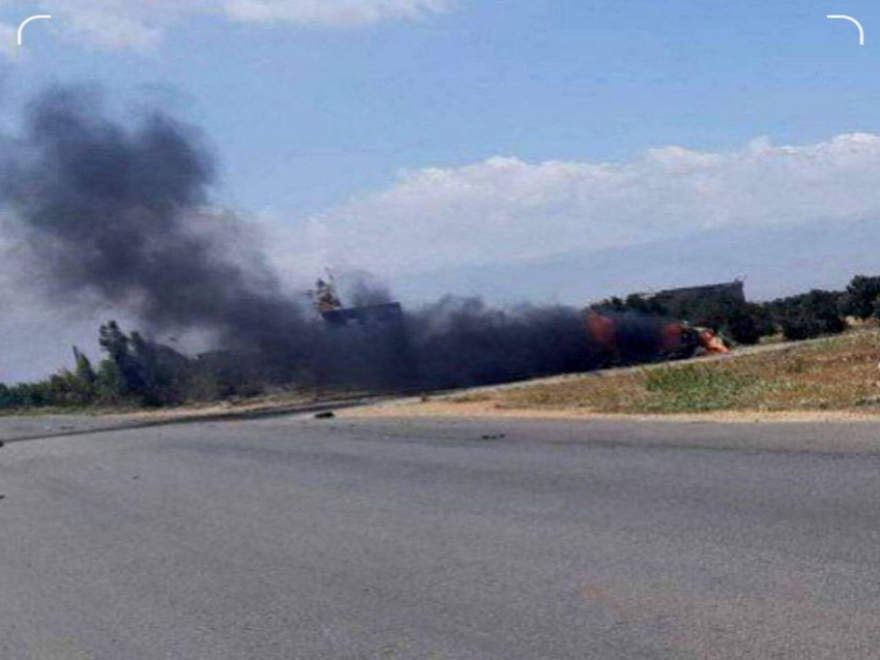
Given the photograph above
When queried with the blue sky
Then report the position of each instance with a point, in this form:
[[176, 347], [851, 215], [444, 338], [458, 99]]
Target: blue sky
[[306, 115]]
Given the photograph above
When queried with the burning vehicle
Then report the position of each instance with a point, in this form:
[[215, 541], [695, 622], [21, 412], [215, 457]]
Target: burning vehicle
[[685, 341], [629, 338]]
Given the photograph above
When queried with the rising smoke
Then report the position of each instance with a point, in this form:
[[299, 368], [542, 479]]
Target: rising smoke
[[120, 210]]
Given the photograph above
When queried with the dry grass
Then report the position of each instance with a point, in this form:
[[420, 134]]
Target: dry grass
[[839, 373], [833, 376]]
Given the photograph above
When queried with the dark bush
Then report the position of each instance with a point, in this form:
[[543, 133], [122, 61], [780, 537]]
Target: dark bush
[[809, 315], [862, 297]]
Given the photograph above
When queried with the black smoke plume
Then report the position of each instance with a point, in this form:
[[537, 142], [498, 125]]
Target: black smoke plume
[[118, 210]]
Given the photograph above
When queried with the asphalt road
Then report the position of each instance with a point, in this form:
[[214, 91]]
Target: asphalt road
[[291, 539]]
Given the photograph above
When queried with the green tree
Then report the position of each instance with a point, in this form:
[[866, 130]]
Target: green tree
[[84, 369], [139, 370], [862, 297], [809, 315], [110, 383]]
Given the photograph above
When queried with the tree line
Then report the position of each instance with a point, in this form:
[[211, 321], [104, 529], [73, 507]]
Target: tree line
[[135, 372], [138, 372]]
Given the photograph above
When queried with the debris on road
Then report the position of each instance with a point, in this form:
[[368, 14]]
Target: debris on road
[[328, 414]]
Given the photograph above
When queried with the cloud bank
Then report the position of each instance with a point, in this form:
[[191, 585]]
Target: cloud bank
[[504, 209], [141, 24]]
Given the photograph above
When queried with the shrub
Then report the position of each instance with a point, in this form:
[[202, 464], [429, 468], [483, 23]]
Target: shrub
[[862, 297], [809, 315]]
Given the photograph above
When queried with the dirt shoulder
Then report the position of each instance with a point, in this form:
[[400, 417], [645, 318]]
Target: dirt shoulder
[[488, 410]]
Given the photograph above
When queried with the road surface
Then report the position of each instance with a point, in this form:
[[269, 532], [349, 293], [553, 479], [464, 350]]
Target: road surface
[[283, 539]]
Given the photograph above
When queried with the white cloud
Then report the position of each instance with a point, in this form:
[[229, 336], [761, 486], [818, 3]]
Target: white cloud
[[504, 209], [331, 12], [141, 24]]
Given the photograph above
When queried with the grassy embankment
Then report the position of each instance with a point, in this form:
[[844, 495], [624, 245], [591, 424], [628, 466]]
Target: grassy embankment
[[835, 374]]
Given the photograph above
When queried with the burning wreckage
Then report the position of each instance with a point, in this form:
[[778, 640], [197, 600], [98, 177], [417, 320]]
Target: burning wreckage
[[327, 302], [620, 337], [609, 338], [628, 338], [462, 342]]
